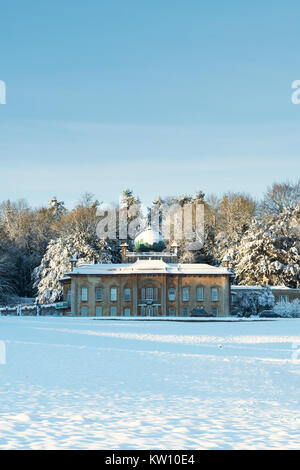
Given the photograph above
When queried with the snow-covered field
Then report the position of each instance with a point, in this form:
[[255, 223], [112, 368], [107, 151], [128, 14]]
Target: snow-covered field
[[72, 383]]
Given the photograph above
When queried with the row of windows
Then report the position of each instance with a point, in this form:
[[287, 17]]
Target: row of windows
[[199, 294], [150, 293], [99, 311], [99, 294], [144, 310]]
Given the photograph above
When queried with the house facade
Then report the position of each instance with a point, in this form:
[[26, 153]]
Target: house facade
[[153, 283], [146, 288]]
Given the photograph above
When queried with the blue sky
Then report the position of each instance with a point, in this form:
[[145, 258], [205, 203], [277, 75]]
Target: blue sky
[[165, 97]]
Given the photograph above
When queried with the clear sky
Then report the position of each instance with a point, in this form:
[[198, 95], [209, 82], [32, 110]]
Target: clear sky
[[162, 96]]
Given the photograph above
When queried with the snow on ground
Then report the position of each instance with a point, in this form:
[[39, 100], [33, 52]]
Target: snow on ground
[[79, 383]]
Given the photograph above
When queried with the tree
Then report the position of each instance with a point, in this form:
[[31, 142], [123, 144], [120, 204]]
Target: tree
[[235, 214], [82, 219], [7, 289], [271, 249], [288, 309], [251, 303], [129, 213], [280, 196], [56, 262]]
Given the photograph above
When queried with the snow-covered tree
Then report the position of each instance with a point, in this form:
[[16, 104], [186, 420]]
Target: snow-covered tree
[[130, 214], [288, 309], [235, 213], [251, 303], [56, 262], [265, 299], [56, 207], [271, 249]]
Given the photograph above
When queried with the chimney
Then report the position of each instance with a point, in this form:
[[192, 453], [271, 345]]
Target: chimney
[[175, 247], [124, 247], [73, 261], [226, 261]]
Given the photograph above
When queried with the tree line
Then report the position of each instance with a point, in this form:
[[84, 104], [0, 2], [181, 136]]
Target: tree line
[[260, 238]]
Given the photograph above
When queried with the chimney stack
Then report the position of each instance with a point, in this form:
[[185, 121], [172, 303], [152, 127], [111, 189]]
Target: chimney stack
[[226, 261], [124, 247], [175, 248], [73, 261]]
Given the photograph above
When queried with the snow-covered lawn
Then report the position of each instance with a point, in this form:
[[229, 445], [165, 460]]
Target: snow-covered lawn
[[82, 383]]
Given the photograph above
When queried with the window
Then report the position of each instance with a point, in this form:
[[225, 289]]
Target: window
[[155, 310], [185, 311], [214, 294], [126, 312], [149, 293], [171, 311], [142, 310], [69, 296], [199, 294], [127, 295], [98, 311], [172, 294], [84, 311], [98, 294], [215, 311], [113, 310], [185, 294], [84, 294], [113, 294], [283, 298]]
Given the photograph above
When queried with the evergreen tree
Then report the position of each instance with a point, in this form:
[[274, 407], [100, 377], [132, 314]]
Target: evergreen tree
[[56, 262], [271, 249]]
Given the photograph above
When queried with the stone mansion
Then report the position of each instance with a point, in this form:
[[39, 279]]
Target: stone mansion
[[149, 282]]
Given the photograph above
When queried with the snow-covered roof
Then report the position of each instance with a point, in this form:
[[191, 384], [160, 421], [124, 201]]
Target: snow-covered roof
[[233, 288], [149, 267], [65, 278]]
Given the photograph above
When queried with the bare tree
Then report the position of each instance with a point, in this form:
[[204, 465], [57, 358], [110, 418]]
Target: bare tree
[[280, 196]]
